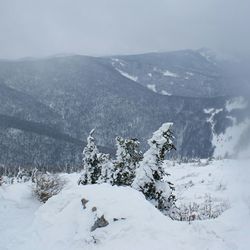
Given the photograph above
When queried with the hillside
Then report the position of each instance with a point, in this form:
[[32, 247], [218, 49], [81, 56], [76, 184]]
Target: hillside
[[71, 95], [193, 73]]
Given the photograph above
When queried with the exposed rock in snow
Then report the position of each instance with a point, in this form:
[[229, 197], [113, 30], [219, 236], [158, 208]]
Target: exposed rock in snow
[[99, 223], [84, 202]]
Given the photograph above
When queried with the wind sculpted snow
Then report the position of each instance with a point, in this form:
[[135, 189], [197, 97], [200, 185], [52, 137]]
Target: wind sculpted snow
[[62, 223]]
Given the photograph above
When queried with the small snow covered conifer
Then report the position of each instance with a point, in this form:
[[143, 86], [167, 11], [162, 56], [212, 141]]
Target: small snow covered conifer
[[96, 166], [107, 169], [23, 175], [128, 156], [150, 176]]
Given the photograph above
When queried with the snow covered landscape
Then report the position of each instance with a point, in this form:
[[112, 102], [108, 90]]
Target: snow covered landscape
[[158, 194], [63, 223], [124, 125], [133, 202]]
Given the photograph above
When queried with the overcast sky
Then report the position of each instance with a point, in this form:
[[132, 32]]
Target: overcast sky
[[101, 27]]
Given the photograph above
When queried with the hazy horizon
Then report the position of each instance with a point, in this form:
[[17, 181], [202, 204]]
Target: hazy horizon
[[44, 28], [104, 55]]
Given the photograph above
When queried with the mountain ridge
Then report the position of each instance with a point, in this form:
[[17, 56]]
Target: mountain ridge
[[84, 92]]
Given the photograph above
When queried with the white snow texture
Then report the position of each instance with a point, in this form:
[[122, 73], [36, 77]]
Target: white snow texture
[[62, 223]]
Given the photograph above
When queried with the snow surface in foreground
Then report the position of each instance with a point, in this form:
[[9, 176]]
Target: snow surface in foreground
[[62, 223]]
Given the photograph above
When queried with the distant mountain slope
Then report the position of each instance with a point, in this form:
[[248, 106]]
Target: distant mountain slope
[[193, 73], [77, 93], [19, 104], [31, 133]]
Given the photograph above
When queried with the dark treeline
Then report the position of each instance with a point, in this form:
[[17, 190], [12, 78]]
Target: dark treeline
[[36, 127]]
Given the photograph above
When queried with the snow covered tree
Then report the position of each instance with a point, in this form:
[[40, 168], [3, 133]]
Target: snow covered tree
[[23, 175], [96, 166], [150, 176], [128, 156], [107, 169]]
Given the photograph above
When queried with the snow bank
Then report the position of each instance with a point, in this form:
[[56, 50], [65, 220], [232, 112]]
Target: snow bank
[[224, 181], [17, 212], [63, 224]]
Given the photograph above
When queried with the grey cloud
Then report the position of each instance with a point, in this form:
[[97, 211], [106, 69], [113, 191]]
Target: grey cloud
[[99, 27]]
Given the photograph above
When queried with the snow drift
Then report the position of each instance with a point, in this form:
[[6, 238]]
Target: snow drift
[[62, 223]]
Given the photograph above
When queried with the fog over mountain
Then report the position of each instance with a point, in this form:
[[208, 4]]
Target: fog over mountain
[[42, 28], [124, 124]]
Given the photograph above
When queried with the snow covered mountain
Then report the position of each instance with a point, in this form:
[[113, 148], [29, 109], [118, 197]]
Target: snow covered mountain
[[48, 107], [193, 73]]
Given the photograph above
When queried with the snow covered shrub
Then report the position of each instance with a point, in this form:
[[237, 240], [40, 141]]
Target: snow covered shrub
[[6, 180], [23, 175], [128, 156], [209, 209], [150, 174], [47, 185], [96, 166]]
